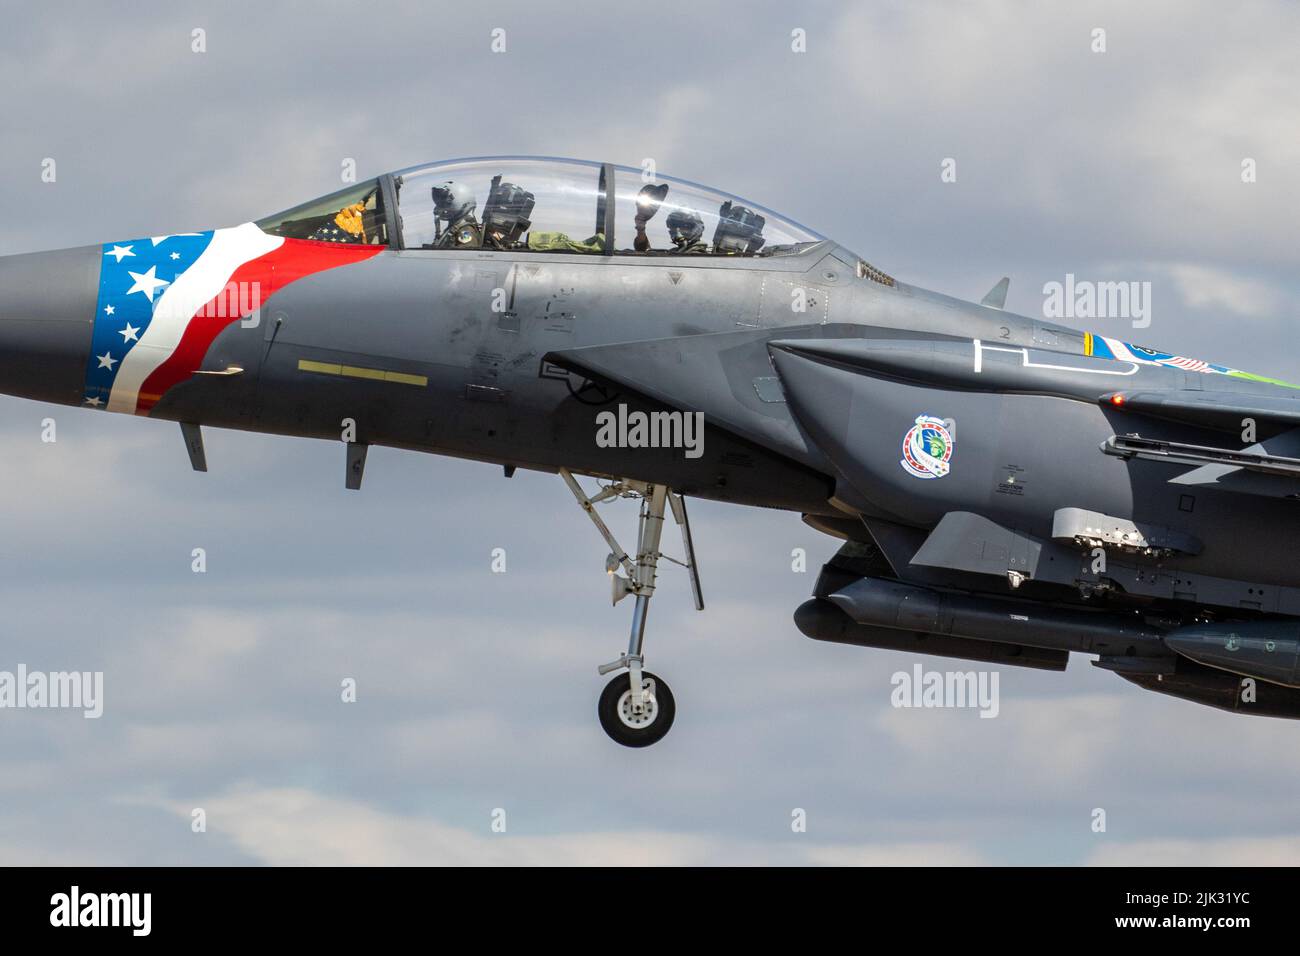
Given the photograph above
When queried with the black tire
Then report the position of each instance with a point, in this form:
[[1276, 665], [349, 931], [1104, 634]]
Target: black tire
[[608, 711]]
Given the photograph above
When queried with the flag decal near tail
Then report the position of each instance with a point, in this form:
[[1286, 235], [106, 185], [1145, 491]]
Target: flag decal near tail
[[1103, 347]]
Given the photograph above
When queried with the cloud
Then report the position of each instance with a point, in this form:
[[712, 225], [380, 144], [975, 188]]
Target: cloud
[[296, 827], [1280, 850], [1207, 287]]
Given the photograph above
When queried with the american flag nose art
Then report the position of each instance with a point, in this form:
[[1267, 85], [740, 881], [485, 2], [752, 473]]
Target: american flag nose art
[[163, 300]]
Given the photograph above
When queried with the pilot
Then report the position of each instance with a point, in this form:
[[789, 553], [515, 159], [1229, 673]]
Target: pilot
[[347, 226], [454, 204], [685, 228], [506, 215], [739, 232]]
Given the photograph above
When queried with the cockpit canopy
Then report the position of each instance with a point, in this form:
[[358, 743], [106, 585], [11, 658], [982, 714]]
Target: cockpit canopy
[[354, 215], [526, 204]]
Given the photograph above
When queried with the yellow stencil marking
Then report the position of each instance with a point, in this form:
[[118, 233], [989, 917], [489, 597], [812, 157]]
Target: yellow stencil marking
[[356, 371]]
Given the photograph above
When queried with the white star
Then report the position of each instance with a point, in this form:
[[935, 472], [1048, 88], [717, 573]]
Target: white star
[[93, 400], [109, 310], [156, 240], [176, 255], [106, 361], [148, 282], [128, 333], [119, 252]]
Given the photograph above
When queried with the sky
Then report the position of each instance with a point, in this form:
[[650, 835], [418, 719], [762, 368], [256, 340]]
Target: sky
[[475, 690]]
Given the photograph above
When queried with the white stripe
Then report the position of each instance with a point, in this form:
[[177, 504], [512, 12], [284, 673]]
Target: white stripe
[[193, 289], [1121, 351]]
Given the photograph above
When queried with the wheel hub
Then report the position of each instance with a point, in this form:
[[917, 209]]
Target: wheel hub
[[631, 717]]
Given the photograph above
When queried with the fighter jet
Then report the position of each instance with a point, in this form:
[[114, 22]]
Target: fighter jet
[[1006, 490]]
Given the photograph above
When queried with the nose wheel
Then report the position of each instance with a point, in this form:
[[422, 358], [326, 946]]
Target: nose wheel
[[636, 720], [636, 708]]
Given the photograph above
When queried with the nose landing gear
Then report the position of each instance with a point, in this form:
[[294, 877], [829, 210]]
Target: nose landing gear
[[637, 708]]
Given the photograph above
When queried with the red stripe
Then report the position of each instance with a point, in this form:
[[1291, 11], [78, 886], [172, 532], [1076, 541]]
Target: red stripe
[[290, 262]]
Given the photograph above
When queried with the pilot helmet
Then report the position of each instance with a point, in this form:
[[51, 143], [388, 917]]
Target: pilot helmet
[[740, 230], [453, 201], [685, 226]]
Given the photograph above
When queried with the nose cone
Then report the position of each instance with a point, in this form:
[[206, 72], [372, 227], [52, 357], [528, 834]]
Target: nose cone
[[47, 313]]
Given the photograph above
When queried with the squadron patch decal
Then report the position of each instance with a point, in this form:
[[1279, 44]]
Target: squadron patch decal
[[927, 448]]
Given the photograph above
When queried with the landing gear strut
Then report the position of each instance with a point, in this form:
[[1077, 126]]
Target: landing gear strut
[[637, 708]]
